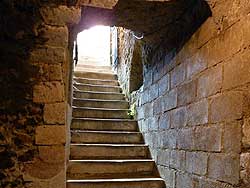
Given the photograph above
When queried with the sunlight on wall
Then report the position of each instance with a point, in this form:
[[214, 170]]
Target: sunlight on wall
[[94, 45]]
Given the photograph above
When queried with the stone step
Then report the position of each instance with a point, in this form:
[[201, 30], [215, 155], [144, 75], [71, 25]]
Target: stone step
[[92, 169], [104, 113], [89, 66], [109, 151], [97, 103], [95, 75], [104, 124], [100, 88], [85, 69], [106, 137], [98, 95], [96, 81], [117, 183]]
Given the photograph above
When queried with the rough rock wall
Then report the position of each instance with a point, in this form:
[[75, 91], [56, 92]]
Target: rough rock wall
[[34, 93], [194, 106]]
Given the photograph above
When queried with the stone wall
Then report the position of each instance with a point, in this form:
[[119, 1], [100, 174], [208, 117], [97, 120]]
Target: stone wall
[[129, 66], [34, 79], [194, 106]]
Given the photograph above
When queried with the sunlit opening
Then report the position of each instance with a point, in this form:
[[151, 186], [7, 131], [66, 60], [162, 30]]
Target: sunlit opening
[[94, 46]]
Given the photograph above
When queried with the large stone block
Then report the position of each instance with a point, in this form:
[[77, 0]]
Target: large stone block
[[197, 113], [61, 15], [237, 70], [163, 157], [210, 82], [208, 138], [245, 168], [55, 113], [52, 154], [50, 72], [186, 93], [179, 117], [50, 135], [47, 92], [178, 75], [55, 36], [196, 64], [178, 159], [224, 167], [169, 100], [47, 54], [246, 133], [164, 121], [164, 84], [185, 139], [168, 175], [168, 139], [184, 180], [232, 137], [196, 163], [148, 110], [158, 105], [226, 107], [153, 92]]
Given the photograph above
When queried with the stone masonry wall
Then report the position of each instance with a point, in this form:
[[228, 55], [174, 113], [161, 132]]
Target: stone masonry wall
[[194, 106], [34, 76]]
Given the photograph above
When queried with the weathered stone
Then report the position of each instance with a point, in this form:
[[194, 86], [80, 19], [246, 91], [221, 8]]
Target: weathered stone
[[148, 110], [246, 133], [50, 135], [245, 168], [99, 3], [233, 78], [49, 55], [224, 167], [61, 15], [163, 84], [169, 100], [168, 139], [177, 159], [163, 157], [197, 113], [158, 105], [168, 175], [196, 162], [55, 36], [54, 113], [208, 138], [179, 117], [232, 137], [210, 82], [153, 92], [177, 76], [183, 181], [195, 65], [226, 107], [52, 154], [47, 92], [186, 93], [185, 139], [50, 72], [152, 123], [164, 121]]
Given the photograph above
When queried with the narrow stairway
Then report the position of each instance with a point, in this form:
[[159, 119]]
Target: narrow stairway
[[107, 150]]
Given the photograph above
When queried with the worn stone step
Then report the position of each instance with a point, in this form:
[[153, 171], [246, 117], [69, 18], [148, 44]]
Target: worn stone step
[[85, 69], [96, 81], [109, 151], [97, 103], [100, 88], [95, 75], [104, 113], [92, 169], [98, 95], [104, 124], [118, 183], [89, 66], [106, 137]]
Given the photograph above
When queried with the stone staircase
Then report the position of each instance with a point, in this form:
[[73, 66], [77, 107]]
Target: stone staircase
[[107, 150]]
